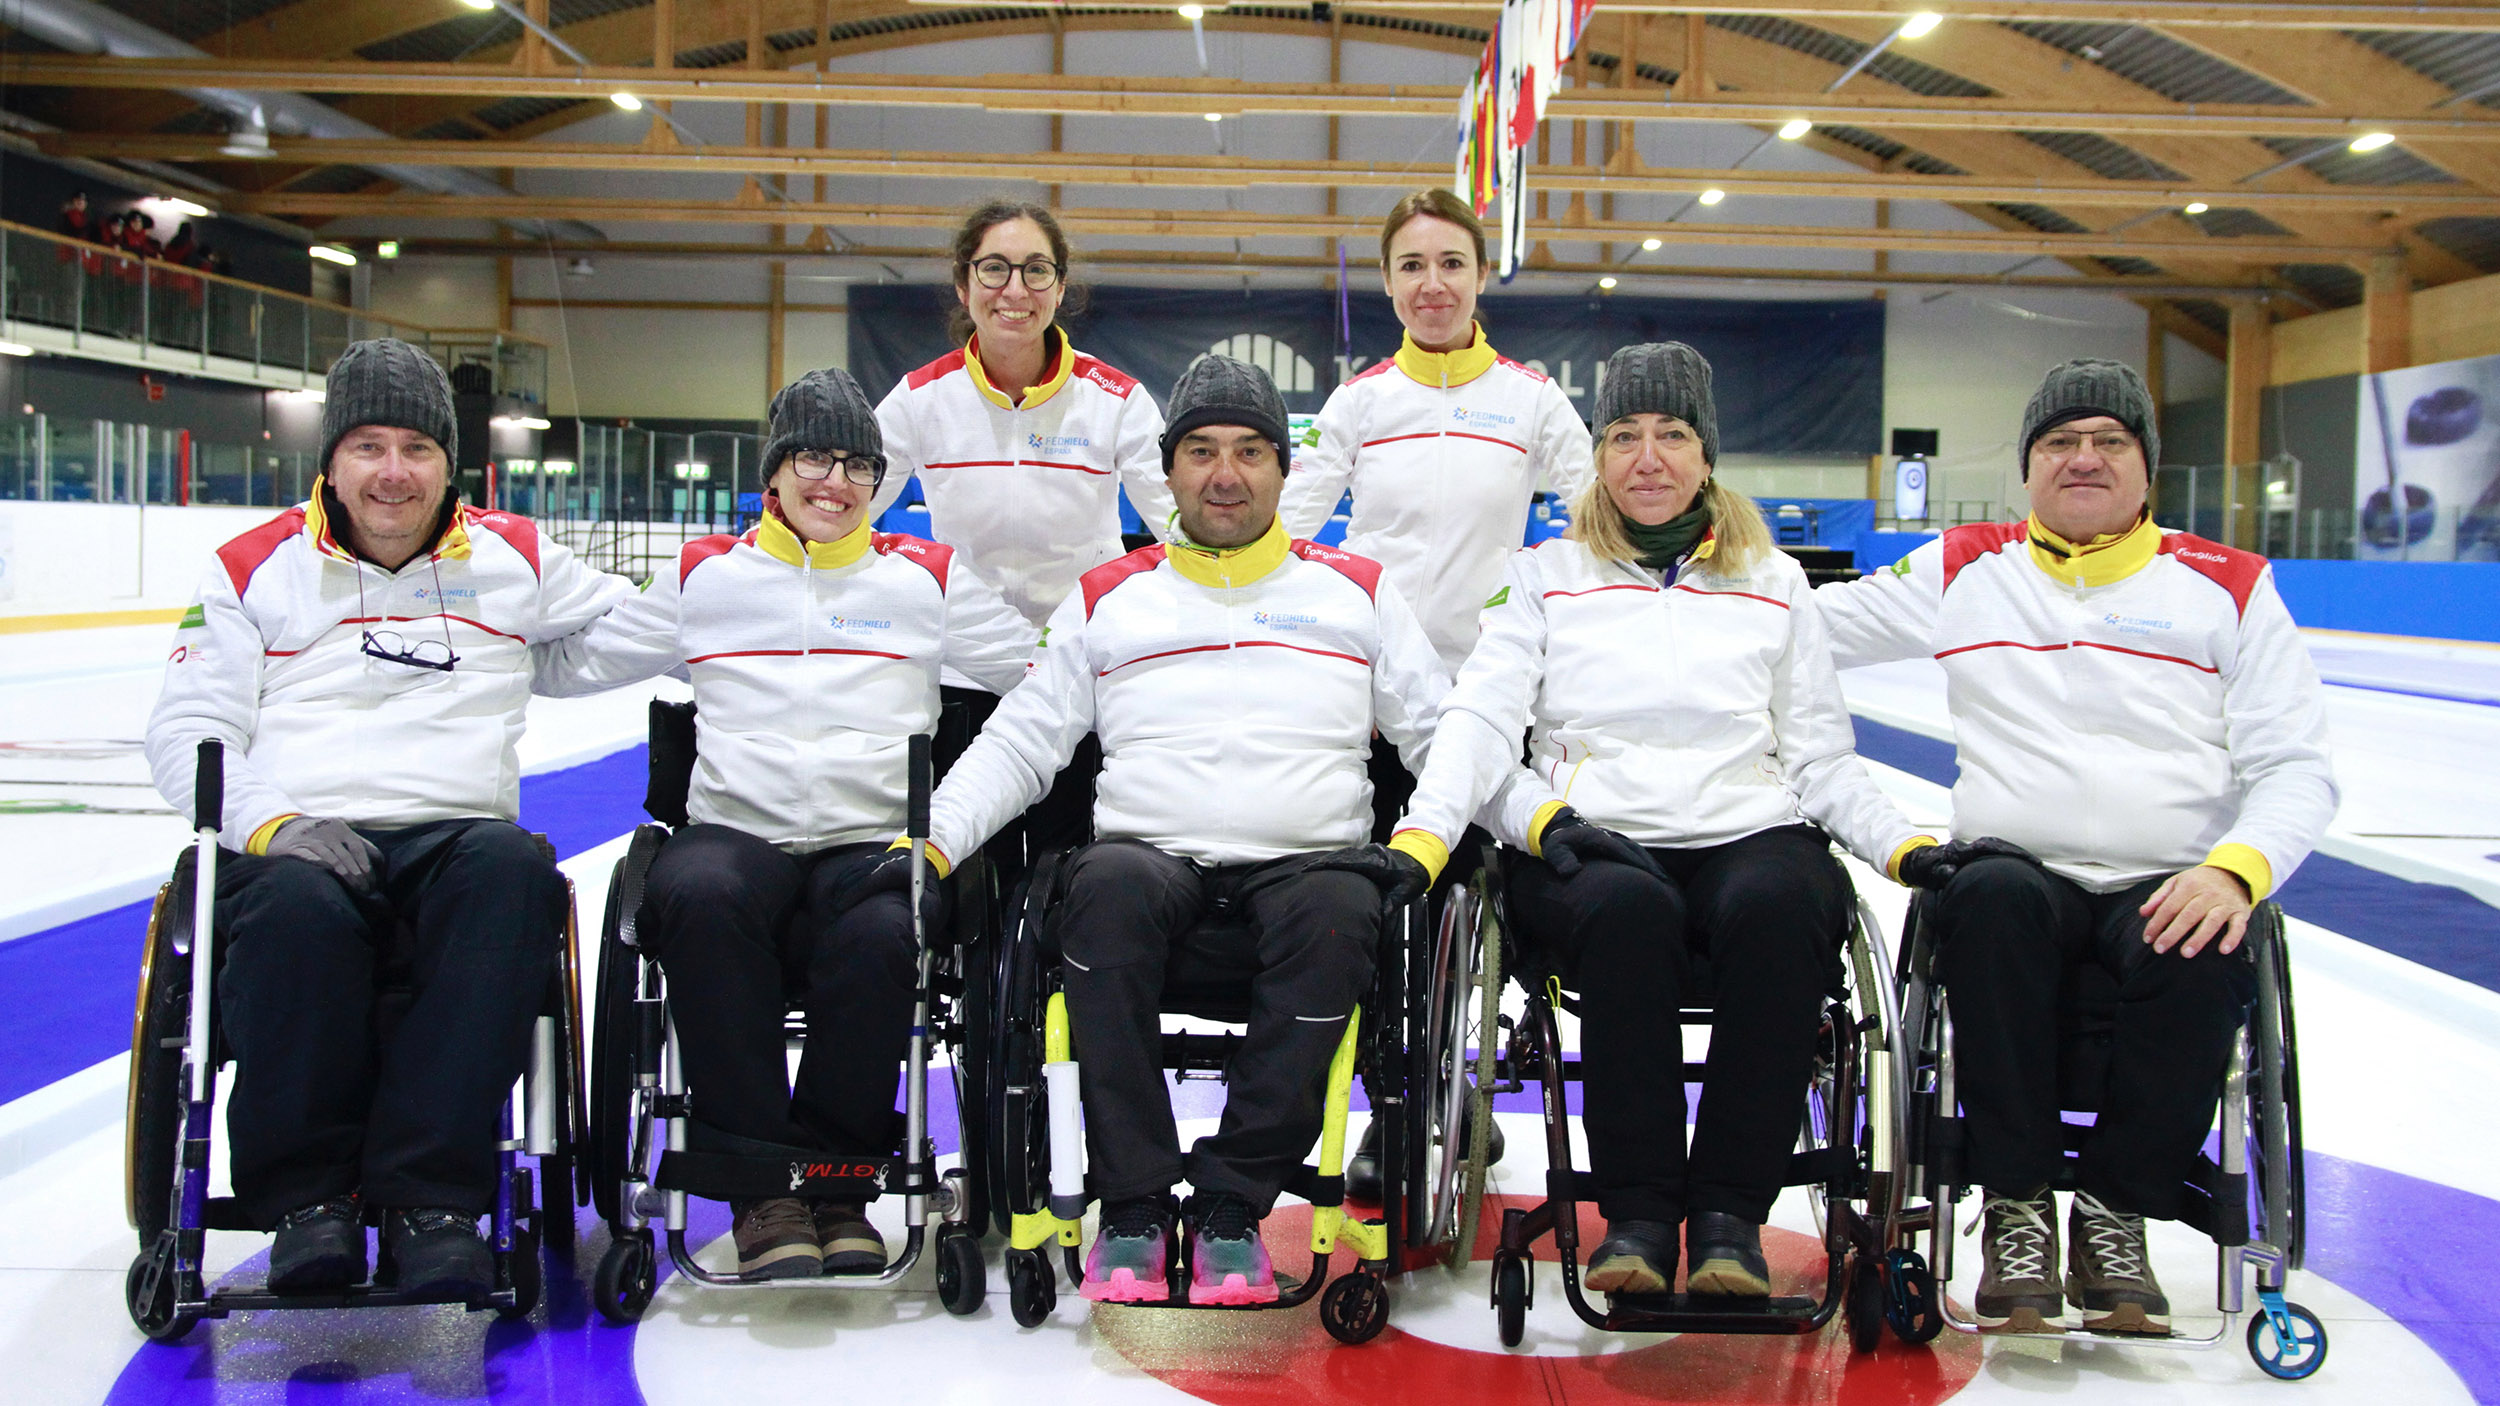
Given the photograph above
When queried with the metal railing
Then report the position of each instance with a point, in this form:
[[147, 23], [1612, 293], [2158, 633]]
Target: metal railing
[[632, 497], [69, 295]]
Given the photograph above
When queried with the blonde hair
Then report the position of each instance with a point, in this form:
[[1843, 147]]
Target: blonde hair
[[1743, 537]]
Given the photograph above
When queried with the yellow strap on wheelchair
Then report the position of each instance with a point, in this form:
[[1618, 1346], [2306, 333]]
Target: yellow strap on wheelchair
[[1055, 1029], [1324, 1219]]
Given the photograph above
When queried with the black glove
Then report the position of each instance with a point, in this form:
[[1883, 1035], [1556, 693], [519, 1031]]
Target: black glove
[[1570, 842], [1933, 866], [1401, 876], [327, 841], [892, 874]]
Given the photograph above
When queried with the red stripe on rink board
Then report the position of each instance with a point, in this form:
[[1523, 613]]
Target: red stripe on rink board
[[2076, 644], [1017, 464], [1446, 434], [1766, 600], [790, 654], [1238, 644]]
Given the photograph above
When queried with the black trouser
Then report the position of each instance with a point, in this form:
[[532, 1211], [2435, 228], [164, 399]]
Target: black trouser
[[1303, 938], [1766, 912], [738, 927], [2010, 934], [407, 1108]]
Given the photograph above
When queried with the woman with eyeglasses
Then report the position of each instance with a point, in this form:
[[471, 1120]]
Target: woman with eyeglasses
[[814, 645], [1022, 444]]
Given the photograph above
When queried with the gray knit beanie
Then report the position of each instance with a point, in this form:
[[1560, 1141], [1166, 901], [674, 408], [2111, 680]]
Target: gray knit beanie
[[824, 411], [387, 382], [1217, 390], [2081, 389], [1659, 378]]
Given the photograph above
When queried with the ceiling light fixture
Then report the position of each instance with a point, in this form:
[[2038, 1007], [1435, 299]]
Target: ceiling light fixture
[[1653, 244], [1607, 283], [249, 139], [189, 210], [1192, 13], [16, 349], [1713, 196], [2371, 141], [625, 100], [2196, 207], [1920, 25], [518, 422], [1794, 128], [334, 255], [1215, 117]]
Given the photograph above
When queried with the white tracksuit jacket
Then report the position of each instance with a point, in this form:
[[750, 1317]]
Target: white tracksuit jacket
[[2148, 708], [270, 659], [813, 665], [1682, 709], [1026, 493], [1235, 696], [1443, 453]]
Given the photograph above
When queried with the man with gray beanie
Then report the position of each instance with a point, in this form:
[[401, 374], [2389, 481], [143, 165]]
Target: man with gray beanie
[[1235, 677], [2143, 758], [365, 658]]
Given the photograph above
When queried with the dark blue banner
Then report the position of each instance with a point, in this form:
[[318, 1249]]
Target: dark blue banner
[[1792, 377]]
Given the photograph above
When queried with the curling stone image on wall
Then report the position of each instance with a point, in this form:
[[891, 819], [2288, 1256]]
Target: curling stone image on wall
[[2427, 463]]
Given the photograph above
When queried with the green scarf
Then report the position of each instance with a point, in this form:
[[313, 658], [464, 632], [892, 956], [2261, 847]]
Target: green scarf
[[1671, 541]]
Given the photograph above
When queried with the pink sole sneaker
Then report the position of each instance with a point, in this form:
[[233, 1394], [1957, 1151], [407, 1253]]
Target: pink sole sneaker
[[1236, 1289], [1125, 1287]]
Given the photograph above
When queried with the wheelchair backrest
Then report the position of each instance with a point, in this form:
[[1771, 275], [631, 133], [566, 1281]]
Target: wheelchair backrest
[[672, 762]]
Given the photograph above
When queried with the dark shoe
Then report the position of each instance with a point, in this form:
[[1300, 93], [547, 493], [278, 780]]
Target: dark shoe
[[776, 1238], [437, 1252], [850, 1244], [2107, 1273], [2017, 1278], [1636, 1257], [1726, 1252], [1362, 1173], [1228, 1262], [320, 1248]]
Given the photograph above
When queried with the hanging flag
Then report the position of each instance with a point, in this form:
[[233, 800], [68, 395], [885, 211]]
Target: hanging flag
[[1521, 70]]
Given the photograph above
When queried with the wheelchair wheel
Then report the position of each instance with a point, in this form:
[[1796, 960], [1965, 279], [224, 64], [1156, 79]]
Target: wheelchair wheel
[[1864, 1307], [627, 1276], [152, 1304], [1355, 1309], [612, 1051], [152, 1121], [1462, 1041], [1510, 1298], [960, 1275], [2276, 1106], [1032, 1290], [1018, 1116], [1910, 1297], [968, 1048], [2287, 1361]]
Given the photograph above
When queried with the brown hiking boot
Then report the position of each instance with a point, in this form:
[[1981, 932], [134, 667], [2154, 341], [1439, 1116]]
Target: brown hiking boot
[[2017, 1284], [2108, 1274], [851, 1245], [776, 1238]]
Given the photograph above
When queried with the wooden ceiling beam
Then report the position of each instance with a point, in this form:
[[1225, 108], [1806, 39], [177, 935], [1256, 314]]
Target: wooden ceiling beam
[[2458, 15]]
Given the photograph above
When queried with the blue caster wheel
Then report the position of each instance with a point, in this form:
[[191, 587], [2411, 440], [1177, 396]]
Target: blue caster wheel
[[2287, 1341]]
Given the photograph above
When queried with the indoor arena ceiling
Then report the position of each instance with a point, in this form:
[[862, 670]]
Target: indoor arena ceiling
[[2183, 151]]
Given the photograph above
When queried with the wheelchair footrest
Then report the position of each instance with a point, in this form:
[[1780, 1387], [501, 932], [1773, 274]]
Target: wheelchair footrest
[[721, 1176], [1688, 1313]]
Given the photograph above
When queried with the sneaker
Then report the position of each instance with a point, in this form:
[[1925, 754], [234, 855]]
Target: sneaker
[[1228, 1261], [1636, 1257], [436, 1251], [1726, 1253], [2018, 1243], [776, 1238], [850, 1244], [2107, 1273], [1132, 1254], [320, 1248]]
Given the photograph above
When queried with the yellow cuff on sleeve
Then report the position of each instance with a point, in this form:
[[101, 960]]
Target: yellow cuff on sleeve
[[1425, 848], [937, 857], [2250, 866], [259, 842], [1536, 826], [1892, 866]]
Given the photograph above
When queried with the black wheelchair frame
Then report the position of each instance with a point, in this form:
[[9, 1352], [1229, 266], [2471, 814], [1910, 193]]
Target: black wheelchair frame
[[644, 1171], [1850, 1132], [170, 1121], [2250, 1202]]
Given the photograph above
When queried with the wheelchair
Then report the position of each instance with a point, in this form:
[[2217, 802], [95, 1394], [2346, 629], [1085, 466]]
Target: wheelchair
[[1035, 1171], [643, 1171], [2249, 1199], [175, 1053], [1847, 1154]]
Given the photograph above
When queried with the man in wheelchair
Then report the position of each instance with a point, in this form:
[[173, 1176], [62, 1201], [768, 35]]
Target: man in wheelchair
[[814, 645], [365, 659], [1235, 679], [2137, 718]]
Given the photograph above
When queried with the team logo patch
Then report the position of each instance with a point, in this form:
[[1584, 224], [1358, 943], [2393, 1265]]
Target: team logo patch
[[1900, 568], [853, 622], [1058, 441], [1497, 598], [192, 619], [1481, 419], [1278, 620], [2135, 624], [447, 593]]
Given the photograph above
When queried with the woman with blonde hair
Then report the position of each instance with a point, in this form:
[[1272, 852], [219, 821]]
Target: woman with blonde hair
[[1688, 753]]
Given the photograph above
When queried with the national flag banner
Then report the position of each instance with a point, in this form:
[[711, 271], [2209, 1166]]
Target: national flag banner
[[1521, 70]]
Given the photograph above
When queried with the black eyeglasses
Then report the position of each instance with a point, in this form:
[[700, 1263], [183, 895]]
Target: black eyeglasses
[[866, 470], [1039, 274], [390, 648]]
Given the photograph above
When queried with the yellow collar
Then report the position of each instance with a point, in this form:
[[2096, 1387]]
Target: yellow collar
[[783, 545], [1447, 368], [2099, 562], [1224, 568], [1061, 367], [453, 545]]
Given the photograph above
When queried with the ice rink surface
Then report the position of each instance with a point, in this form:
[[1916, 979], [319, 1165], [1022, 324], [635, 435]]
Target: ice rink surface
[[2395, 937]]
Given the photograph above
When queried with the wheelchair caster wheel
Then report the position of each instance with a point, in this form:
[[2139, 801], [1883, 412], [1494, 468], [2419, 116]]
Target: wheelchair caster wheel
[[1355, 1308], [2286, 1361], [1910, 1297], [628, 1274], [960, 1275], [1864, 1306], [1032, 1291], [1510, 1297], [529, 1276], [152, 1303]]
